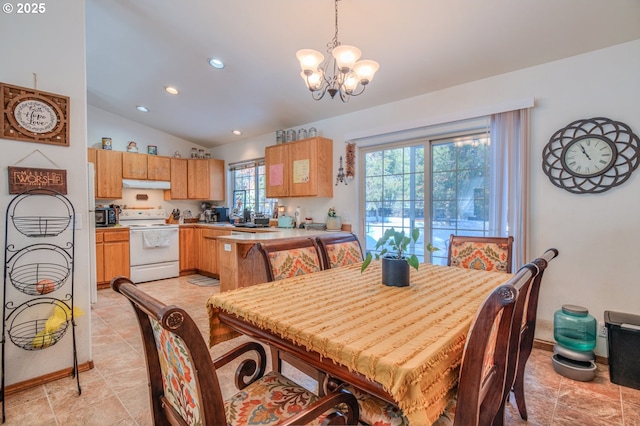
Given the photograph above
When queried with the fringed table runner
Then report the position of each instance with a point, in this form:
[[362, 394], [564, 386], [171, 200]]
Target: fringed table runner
[[409, 339]]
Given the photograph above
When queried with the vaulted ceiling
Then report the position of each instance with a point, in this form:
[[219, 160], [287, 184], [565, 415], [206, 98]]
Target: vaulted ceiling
[[136, 48]]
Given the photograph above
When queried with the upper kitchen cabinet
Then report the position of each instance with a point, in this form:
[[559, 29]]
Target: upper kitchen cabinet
[[108, 177], [300, 169], [196, 179], [158, 168], [134, 166], [144, 166]]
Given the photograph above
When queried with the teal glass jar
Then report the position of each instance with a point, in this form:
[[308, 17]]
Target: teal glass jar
[[574, 328]]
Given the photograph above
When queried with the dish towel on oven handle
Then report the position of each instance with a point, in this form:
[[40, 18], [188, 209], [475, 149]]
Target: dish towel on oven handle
[[156, 238]]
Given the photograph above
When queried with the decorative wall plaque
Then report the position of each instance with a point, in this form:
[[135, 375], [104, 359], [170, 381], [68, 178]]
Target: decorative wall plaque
[[24, 178], [34, 116]]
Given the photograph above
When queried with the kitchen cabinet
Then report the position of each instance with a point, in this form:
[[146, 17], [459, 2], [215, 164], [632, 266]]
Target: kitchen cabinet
[[208, 263], [112, 254], [196, 179], [134, 166], [189, 249], [300, 169], [158, 168], [144, 166], [108, 176]]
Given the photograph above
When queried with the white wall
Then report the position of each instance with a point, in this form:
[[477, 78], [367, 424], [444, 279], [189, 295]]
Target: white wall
[[595, 234], [51, 45]]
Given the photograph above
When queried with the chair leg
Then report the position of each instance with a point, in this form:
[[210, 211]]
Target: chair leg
[[518, 391], [276, 361], [498, 420]]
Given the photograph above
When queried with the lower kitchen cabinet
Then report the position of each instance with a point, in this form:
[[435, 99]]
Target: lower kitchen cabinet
[[189, 249], [208, 258], [112, 254]]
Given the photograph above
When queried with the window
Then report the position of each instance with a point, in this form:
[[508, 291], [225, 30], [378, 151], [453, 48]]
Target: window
[[249, 187], [454, 179], [460, 190]]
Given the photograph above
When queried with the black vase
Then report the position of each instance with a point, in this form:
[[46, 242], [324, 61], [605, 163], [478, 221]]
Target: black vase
[[395, 272]]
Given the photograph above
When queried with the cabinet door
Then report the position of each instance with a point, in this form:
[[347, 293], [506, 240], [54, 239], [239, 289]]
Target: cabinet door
[[100, 257], [116, 259], [208, 252], [108, 174], [189, 249], [217, 188], [311, 168], [178, 189], [198, 179], [134, 166], [277, 170], [158, 168]]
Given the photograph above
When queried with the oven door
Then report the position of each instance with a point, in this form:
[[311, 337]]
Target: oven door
[[153, 245]]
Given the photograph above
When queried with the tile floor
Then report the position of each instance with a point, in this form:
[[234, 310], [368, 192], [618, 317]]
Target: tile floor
[[115, 391]]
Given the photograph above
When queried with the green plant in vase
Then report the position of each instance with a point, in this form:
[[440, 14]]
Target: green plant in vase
[[395, 245]]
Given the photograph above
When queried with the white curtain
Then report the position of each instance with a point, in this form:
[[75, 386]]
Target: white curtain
[[510, 180]]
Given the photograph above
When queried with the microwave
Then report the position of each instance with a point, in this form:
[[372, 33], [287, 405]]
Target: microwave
[[106, 216]]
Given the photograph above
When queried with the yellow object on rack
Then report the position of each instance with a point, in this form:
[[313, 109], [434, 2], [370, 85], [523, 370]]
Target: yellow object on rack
[[61, 314]]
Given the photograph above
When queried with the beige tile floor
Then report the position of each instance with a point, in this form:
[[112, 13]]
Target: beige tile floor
[[115, 391]]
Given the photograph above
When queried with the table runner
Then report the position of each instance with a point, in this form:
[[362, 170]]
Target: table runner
[[410, 339]]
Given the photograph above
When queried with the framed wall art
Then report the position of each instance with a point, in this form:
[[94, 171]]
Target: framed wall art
[[33, 115]]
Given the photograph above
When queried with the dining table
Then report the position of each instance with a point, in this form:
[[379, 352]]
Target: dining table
[[401, 344]]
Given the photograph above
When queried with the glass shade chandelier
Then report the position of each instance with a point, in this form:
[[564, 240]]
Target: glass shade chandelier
[[341, 73]]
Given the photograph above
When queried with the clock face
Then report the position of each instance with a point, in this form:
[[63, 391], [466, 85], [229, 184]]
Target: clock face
[[589, 156]]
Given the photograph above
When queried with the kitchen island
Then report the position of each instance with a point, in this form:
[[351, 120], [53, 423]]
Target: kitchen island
[[240, 261]]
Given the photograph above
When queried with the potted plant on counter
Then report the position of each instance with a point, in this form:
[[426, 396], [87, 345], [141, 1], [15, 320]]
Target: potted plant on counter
[[334, 222], [395, 262]]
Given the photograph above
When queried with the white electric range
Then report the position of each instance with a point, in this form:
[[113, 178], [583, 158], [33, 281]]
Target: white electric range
[[154, 251]]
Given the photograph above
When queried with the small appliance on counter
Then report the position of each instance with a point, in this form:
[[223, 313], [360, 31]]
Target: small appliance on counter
[[106, 216], [285, 222], [260, 220]]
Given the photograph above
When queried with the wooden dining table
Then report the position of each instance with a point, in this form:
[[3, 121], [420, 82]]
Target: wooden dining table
[[401, 344]]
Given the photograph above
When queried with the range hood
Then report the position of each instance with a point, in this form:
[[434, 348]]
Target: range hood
[[145, 184]]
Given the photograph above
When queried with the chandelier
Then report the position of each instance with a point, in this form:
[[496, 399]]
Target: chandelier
[[341, 73]]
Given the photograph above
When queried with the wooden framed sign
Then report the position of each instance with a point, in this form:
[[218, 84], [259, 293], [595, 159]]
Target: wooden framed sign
[[24, 178], [33, 115]]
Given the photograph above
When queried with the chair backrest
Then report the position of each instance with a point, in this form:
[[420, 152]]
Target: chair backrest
[[484, 360], [339, 250], [527, 330], [484, 253], [288, 258], [183, 384]]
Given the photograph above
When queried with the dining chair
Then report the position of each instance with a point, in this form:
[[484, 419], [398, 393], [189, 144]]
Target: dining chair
[[286, 259], [339, 250], [184, 387], [528, 328], [522, 281], [485, 358], [290, 257], [484, 253]]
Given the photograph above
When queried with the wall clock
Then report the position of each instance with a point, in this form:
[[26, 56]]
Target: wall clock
[[33, 115], [591, 155]]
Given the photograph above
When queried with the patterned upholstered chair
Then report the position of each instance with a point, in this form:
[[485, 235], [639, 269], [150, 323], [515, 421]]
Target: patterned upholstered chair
[[184, 387], [339, 250], [288, 258], [285, 259], [485, 253]]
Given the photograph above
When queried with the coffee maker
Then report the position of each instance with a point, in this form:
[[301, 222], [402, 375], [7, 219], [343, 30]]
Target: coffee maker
[[216, 214]]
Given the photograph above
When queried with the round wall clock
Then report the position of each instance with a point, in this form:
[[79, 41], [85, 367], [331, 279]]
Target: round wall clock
[[591, 155]]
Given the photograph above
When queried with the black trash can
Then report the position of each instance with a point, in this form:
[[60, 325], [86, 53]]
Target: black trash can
[[623, 341]]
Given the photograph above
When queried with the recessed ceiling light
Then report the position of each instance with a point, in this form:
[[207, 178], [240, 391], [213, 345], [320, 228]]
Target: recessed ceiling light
[[237, 132], [216, 63], [142, 108], [171, 90]]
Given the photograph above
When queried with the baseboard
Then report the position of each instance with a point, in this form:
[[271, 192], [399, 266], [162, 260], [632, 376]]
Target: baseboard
[[548, 346], [47, 378]]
